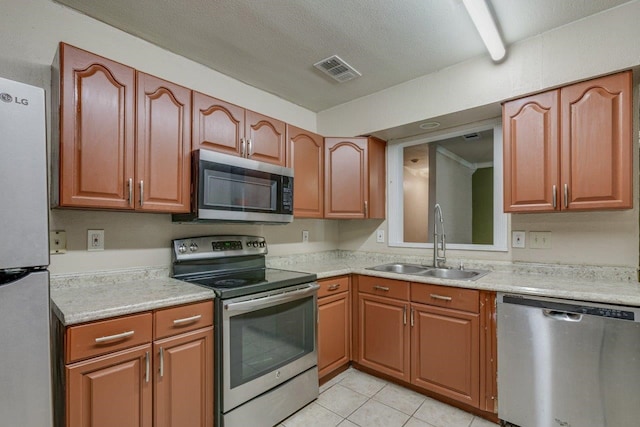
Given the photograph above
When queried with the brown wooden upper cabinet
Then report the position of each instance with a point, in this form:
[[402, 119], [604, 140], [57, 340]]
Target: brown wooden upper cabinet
[[355, 178], [103, 162], [570, 148], [305, 154], [221, 126], [163, 157]]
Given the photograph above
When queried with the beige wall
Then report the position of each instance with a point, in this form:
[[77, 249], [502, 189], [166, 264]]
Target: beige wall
[[31, 29], [141, 239], [597, 45]]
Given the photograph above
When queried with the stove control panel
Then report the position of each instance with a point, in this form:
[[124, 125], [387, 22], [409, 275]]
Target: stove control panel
[[211, 247]]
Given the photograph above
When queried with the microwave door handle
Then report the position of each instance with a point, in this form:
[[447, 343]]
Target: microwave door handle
[[269, 301]]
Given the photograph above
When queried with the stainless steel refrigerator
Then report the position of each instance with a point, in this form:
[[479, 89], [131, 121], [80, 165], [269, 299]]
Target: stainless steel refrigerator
[[25, 355]]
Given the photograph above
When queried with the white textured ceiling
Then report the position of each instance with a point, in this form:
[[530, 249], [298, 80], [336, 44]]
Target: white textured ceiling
[[273, 44]]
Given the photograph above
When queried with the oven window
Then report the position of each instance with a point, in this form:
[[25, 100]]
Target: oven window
[[235, 191], [264, 340]]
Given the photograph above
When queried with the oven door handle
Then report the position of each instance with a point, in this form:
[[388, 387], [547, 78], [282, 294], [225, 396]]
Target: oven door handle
[[269, 301]]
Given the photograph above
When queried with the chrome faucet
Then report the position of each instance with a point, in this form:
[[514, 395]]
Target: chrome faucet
[[439, 255]]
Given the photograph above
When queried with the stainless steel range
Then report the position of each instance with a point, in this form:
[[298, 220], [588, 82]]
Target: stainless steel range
[[265, 328]]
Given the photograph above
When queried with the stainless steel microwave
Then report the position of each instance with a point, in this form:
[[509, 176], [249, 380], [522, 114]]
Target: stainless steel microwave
[[230, 188]]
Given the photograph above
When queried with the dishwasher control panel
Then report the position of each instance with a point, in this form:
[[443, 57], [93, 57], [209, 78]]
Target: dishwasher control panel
[[591, 309]]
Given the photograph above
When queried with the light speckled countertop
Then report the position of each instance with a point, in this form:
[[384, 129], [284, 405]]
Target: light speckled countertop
[[87, 297], [614, 285], [78, 298]]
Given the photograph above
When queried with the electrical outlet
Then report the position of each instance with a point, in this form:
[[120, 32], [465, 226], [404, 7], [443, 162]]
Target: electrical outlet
[[518, 239], [540, 239], [58, 242], [95, 240], [380, 236], [305, 236]]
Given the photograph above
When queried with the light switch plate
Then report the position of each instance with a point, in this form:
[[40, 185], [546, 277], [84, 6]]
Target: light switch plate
[[540, 239], [58, 242], [305, 236], [380, 236], [95, 240], [518, 239]]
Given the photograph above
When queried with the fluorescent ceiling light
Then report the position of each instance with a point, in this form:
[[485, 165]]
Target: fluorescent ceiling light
[[483, 21]]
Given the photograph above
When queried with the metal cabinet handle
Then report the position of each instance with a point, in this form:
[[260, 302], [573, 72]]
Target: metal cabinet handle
[[187, 319], [381, 288], [161, 362], [440, 297], [249, 148], [147, 365], [404, 315], [241, 147], [114, 337], [334, 287], [141, 193], [412, 311], [130, 198], [566, 195], [554, 195], [366, 208]]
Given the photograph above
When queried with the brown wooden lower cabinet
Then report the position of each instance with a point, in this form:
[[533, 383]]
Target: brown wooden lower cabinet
[[111, 390], [111, 379], [334, 325], [440, 339], [444, 352], [384, 335], [183, 367]]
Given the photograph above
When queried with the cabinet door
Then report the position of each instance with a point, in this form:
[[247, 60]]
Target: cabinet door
[[597, 153], [96, 130], [445, 352], [217, 125], [346, 178], [266, 138], [531, 153], [183, 371], [163, 146], [111, 390], [306, 154], [334, 324], [383, 335], [376, 207]]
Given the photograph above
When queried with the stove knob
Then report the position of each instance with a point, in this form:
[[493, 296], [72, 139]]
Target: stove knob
[[193, 247], [253, 244], [182, 248], [263, 244]]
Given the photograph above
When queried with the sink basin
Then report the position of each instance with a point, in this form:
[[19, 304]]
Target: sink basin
[[447, 273], [401, 268], [426, 271]]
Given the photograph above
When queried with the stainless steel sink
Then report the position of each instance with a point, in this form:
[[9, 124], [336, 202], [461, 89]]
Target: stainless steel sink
[[401, 268], [426, 271], [450, 273]]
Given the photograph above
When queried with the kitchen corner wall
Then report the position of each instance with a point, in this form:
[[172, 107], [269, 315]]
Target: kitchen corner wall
[[597, 45], [31, 30]]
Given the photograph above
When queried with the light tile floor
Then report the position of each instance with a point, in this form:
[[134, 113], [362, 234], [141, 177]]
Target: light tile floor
[[354, 399]]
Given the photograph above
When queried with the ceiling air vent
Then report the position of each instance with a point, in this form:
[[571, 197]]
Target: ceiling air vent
[[471, 136], [337, 69]]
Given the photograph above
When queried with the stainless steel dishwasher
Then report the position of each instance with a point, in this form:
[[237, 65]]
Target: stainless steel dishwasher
[[564, 363]]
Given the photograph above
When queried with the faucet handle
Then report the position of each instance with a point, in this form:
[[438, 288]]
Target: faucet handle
[[461, 265]]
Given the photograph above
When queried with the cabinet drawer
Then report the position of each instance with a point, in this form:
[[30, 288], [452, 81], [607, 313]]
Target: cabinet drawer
[[333, 285], [107, 336], [384, 287], [176, 320], [446, 296]]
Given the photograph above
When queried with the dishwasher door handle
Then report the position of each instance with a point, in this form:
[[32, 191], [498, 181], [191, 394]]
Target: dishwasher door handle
[[562, 315]]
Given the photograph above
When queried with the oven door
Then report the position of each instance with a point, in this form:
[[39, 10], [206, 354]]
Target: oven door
[[267, 339]]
